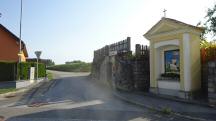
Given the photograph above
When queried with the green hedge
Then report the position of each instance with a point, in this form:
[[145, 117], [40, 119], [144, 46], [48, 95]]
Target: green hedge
[[7, 71], [24, 67], [42, 70], [10, 71]]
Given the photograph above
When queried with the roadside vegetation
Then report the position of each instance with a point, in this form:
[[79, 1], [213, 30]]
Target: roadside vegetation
[[49, 75], [6, 90], [166, 111], [73, 66], [8, 73]]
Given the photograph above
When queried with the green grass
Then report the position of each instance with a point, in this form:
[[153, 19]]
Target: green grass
[[49, 76], [6, 90], [166, 111], [72, 67]]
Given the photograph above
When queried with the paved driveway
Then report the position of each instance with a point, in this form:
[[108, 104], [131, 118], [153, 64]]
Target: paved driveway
[[74, 97]]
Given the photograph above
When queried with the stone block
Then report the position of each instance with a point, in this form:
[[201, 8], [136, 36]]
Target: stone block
[[211, 90], [187, 95], [181, 94], [211, 64], [212, 95], [210, 71], [212, 100], [211, 84], [210, 79], [214, 71], [153, 90], [214, 80], [169, 92]]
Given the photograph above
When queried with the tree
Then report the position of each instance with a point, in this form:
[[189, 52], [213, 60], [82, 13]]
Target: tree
[[75, 61], [49, 62], [210, 22]]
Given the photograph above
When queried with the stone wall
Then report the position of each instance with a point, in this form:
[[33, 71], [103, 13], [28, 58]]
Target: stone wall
[[101, 71], [123, 72], [141, 68], [105, 71], [211, 77], [204, 82], [114, 65], [141, 74]]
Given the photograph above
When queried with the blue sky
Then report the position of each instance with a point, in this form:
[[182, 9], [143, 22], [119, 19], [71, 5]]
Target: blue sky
[[66, 30]]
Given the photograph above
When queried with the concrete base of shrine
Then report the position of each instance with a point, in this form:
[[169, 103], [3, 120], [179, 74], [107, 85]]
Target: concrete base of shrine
[[174, 93]]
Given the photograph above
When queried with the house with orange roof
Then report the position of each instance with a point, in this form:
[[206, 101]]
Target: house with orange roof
[[9, 46]]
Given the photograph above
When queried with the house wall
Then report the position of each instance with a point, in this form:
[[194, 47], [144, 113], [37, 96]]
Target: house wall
[[9, 47]]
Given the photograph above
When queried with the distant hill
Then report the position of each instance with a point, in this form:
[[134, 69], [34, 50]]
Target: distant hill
[[74, 66]]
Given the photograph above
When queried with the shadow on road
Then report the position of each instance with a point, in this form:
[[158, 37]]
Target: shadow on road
[[78, 97], [74, 88], [85, 113]]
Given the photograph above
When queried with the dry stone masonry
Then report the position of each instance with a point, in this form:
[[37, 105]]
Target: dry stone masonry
[[116, 65], [211, 77]]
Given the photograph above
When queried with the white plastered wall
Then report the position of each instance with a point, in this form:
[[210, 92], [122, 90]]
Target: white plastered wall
[[160, 47]]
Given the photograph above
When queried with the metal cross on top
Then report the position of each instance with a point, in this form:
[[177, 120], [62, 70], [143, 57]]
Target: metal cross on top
[[164, 12]]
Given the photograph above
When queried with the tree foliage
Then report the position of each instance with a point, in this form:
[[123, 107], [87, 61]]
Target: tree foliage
[[208, 51], [74, 61], [210, 22]]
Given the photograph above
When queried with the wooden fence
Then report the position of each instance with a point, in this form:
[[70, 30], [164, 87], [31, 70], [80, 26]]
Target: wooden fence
[[122, 46], [115, 48], [208, 54], [142, 50]]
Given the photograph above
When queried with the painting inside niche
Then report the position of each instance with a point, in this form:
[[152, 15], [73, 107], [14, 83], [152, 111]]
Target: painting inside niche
[[172, 61]]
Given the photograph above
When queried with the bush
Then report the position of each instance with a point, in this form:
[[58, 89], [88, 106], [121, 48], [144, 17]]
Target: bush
[[208, 51], [75, 61], [7, 71], [42, 70], [166, 111], [24, 68], [10, 71], [171, 75]]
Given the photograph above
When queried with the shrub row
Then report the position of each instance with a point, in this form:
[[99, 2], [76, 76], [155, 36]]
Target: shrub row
[[7, 71], [208, 51], [10, 71], [24, 68]]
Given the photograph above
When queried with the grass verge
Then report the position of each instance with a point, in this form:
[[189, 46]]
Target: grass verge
[[6, 90], [49, 75], [166, 111], [72, 67]]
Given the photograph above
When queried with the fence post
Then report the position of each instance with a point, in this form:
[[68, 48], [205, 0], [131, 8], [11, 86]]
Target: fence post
[[106, 50], [138, 50], [129, 43]]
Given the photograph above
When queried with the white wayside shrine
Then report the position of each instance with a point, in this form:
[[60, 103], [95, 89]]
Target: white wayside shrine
[[174, 58]]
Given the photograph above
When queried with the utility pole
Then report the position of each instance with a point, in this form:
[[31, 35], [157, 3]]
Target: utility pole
[[20, 34]]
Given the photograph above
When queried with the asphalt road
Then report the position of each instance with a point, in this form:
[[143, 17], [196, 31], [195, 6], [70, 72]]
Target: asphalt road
[[74, 97]]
